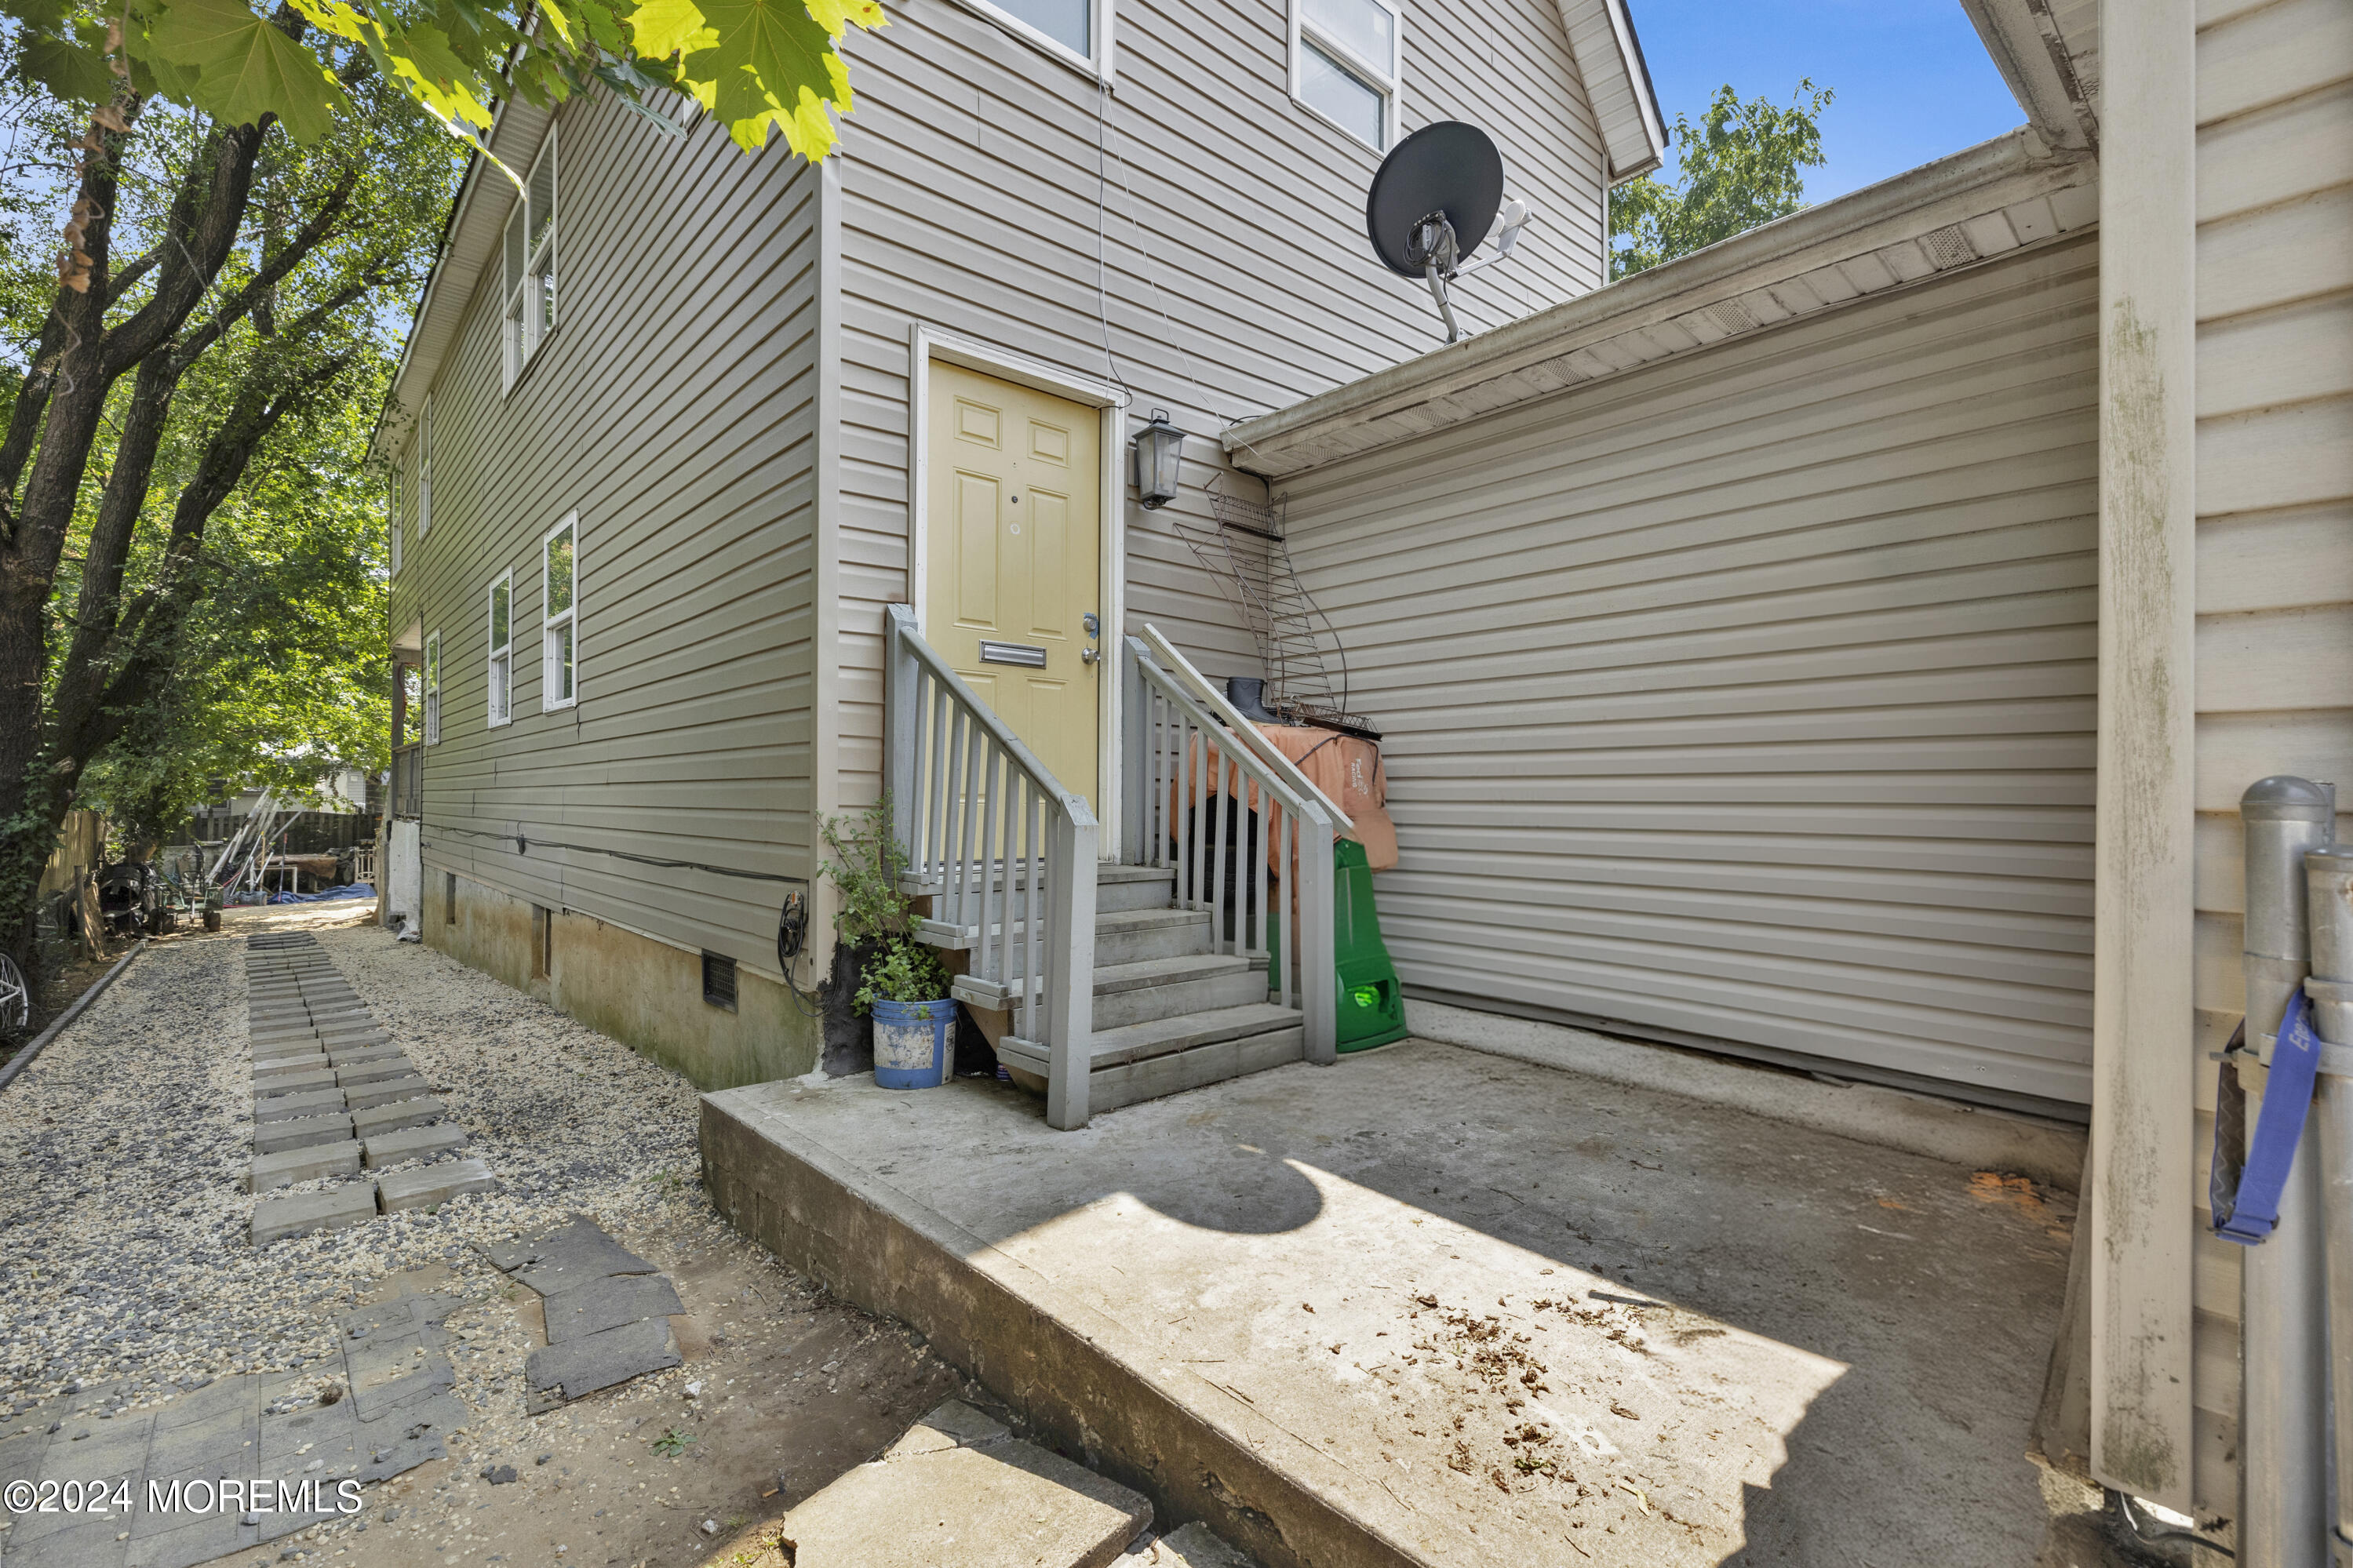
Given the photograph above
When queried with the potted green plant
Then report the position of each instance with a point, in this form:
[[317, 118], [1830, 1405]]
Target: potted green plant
[[901, 982]]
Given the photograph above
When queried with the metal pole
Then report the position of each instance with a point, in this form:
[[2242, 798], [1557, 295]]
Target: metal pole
[[2283, 1411], [2329, 875]]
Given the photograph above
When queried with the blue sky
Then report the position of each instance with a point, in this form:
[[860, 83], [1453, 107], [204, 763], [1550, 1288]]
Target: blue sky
[[1911, 80]]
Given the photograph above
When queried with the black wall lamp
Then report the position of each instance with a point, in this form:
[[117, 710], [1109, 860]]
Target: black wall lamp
[[1159, 449]]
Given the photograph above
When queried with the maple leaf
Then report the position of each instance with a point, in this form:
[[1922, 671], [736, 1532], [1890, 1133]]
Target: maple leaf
[[246, 68], [773, 61]]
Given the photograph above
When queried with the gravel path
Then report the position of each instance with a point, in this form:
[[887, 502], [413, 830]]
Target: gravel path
[[123, 1224], [126, 1277]]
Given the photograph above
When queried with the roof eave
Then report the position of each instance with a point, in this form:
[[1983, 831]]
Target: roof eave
[[1671, 308]]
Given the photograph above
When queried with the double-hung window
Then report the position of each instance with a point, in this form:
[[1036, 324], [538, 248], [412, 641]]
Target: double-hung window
[[531, 264], [1344, 62], [433, 690], [502, 649], [559, 673], [425, 471]]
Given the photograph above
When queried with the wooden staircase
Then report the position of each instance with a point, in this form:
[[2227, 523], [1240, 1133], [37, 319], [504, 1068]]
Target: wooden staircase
[[1170, 1013]]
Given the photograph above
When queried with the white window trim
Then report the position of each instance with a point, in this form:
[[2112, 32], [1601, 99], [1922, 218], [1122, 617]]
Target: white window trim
[[432, 682], [547, 622], [517, 356], [1390, 83], [425, 471], [1102, 66], [506, 649], [398, 527]]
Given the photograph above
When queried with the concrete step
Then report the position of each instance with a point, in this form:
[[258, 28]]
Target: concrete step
[[361, 1097], [1122, 936], [1169, 1056], [1150, 988], [959, 1488]]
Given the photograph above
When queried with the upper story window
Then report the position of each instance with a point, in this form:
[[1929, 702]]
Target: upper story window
[[397, 527], [559, 650], [502, 649], [531, 264], [433, 690], [425, 470], [1344, 58], [1078, 31]]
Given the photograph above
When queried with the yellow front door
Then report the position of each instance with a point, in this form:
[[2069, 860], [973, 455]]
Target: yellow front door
[[1014, 558]]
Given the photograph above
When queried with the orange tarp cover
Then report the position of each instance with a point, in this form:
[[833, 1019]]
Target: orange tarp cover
[[1346, 769]]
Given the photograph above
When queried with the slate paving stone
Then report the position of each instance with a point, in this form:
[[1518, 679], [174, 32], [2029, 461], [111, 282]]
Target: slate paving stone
[[302, 1132], [199, 1541], [608, 1303], [569, 1256], [560, 1373]]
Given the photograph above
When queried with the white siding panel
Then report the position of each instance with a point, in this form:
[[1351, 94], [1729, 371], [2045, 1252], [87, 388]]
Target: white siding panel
[[1749, 698], [2274, 672]]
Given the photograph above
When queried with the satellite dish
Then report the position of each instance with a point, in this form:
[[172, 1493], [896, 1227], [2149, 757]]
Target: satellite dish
[[1432, 203], [1448, 167]]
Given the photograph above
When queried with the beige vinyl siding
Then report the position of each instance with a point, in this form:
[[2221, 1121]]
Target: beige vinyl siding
[[2274, 673], [1749, 698], [1238, 277], [674, 408]]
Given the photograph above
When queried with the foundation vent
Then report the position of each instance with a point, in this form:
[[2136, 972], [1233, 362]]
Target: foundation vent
[[718, 981]]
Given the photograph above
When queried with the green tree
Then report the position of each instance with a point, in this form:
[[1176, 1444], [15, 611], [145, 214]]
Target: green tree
[[1741, 165], [219, 372]]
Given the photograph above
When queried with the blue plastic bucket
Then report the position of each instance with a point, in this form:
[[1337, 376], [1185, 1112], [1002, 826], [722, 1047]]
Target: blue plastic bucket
[[911, 1044]]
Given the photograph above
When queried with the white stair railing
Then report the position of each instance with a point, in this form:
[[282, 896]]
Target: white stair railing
[[1005, 852], [1204, 801]]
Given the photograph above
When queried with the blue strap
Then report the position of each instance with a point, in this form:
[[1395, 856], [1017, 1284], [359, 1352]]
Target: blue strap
[[2248, 1214]]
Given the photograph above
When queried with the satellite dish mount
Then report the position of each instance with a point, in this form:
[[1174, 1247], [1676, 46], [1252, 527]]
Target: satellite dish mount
[[1437, 196]]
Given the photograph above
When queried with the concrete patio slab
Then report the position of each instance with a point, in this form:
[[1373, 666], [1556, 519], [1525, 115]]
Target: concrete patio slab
[[1435, 1306]]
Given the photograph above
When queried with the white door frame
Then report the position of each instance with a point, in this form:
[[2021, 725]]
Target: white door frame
[[925, 344]]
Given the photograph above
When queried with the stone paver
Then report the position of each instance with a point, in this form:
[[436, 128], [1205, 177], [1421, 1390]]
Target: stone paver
[[248, 1425], [272, 1080], [304, 1102], [400, 1113], [310, 1165], [331, 1089], [1012, 1503], [411, 1144], [301, 1212], [365, 1097], [301, 1133], [430, 1184]]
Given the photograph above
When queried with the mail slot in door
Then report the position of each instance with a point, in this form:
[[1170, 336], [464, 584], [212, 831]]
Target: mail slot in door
[[1020, 653]]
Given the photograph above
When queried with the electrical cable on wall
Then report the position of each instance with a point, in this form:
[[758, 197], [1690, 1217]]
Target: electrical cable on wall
[[792, 918]]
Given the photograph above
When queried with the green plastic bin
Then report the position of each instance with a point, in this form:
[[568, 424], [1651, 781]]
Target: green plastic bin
[[1370, 1003]]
